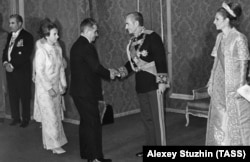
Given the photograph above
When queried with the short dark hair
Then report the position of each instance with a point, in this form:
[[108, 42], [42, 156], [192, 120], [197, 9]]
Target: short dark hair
[[137, 16], [88, 22], [17, 17], [45, 27]]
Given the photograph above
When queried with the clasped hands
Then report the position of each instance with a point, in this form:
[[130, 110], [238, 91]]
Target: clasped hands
[[162, 87], [114, 73]]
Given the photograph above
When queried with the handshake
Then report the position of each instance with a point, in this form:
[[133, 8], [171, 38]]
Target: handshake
[[114, 73]]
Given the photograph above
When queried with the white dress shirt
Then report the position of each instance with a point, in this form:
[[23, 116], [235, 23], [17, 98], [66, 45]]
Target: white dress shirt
[[12, 41]]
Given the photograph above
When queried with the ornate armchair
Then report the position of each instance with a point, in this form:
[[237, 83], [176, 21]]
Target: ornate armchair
[[199, 106]]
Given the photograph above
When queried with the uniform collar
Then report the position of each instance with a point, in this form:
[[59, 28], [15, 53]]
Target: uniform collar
[[139, 36]]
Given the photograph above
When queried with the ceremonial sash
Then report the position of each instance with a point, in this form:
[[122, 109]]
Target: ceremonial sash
[[141, 65]]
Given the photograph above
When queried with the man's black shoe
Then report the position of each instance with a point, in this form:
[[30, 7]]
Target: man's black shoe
[[139, 154], [15, 122], [24, 124], [100, 160]]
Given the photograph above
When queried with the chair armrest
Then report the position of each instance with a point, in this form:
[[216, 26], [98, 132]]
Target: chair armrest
[[200, 93]]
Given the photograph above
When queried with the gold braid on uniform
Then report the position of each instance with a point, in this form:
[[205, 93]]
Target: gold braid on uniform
[[162, 78]]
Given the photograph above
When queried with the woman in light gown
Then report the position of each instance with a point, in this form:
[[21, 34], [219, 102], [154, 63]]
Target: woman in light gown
[[50, 84], [229, 114]]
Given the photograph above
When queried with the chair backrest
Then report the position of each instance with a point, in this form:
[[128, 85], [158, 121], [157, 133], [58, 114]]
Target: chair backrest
[[200, 93]]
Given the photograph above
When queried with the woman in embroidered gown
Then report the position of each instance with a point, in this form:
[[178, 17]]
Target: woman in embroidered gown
[[229, 114], [50, 84]]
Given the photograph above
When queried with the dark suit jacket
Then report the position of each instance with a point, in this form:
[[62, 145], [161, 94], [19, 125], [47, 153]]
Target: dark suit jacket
[[86, 70], [21, 52]]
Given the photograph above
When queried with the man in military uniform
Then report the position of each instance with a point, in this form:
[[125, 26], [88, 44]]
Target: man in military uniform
[[147, 58]]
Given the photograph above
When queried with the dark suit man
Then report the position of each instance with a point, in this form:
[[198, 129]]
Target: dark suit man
[[86, 90], [17, 63]]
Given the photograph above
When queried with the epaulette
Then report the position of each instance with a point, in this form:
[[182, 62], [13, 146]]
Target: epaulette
[[148, 31]]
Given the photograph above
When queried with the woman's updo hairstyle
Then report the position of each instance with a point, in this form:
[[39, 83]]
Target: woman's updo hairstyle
[[45, 27], [232, 11]]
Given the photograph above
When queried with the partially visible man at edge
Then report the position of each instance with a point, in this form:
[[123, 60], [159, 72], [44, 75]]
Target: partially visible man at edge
[[17, 63]]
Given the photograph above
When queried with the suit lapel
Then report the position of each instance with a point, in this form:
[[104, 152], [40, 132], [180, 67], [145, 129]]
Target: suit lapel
[[18, 38], [15, 43], [8, 40]]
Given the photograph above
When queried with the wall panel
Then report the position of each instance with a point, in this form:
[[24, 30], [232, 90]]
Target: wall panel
[[193, 37]]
